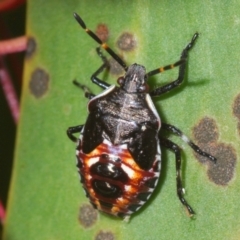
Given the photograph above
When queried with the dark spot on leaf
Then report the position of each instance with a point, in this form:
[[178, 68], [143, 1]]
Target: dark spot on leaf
[[102, 32], [236, 110], [206, 136], [238, 127], [31, 47], [126, 42], [39, 83], [115, 68], [236, 107], [102, 235], [206, 131], [87, 215], [222, 172]]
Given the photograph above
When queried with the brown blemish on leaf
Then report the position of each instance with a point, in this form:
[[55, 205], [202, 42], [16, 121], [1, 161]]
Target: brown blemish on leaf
[[126, 42], [31, 47], [222, 172], [206, 131], [102, 32], [236, 107], [236, 110], [39, 83], [238, 127], [206, 136], [87, 215], [102, 235]]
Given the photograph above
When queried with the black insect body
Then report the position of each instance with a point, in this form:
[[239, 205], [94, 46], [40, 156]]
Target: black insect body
[[118, 151]]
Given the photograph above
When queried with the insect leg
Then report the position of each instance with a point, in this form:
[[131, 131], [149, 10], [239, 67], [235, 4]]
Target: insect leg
[[72, 130], [182, 68], [86, 91], [94, 78], [180, 190], [105, 64], [179, 133]]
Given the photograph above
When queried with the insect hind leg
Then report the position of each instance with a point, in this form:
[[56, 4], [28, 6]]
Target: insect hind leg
[[179, 133], [180, 190]]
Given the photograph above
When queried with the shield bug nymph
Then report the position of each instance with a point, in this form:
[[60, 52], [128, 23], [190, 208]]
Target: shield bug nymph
[[118, 151]]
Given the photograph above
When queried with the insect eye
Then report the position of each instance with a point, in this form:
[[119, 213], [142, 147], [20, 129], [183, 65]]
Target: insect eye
[[120, 81], [144, 88]]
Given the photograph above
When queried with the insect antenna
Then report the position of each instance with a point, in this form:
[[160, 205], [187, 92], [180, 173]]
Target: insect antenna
[[182, 60], [168, 67], [98, 40]]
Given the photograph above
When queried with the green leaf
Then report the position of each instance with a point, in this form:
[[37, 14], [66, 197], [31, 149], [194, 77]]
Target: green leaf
[[46, 196]]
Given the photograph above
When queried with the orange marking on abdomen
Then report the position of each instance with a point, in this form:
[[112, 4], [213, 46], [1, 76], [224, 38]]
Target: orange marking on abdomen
[[121, 158]]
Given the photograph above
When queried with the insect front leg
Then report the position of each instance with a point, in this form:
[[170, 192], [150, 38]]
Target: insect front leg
[[105, 64], [94, 77], [180, 190], [72, 130], [87, 92], [182, 68]]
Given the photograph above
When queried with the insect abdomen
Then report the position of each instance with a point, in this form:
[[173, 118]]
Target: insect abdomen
[[113, 181]]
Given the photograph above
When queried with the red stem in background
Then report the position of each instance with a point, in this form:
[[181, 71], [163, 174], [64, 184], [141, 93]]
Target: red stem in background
[[9, 91], [2, 213], [10, 4], [11, 46], [14, 45]]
